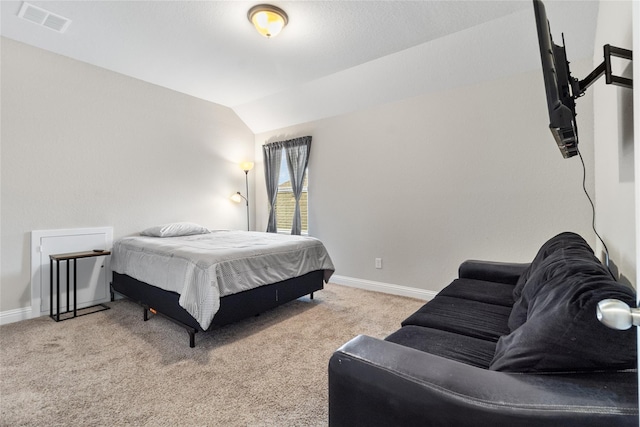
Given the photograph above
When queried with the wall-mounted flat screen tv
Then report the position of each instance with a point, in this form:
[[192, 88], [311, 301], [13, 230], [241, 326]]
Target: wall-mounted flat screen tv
[[559, 85]]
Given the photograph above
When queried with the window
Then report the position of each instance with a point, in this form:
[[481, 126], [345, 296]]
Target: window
[[286, 203], [296, 153]]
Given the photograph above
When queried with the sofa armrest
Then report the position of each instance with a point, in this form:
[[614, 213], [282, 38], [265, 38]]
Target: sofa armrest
[[378, 383], [501, 272]]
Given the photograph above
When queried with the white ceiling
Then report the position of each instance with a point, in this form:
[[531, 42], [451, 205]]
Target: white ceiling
[[333, 57]]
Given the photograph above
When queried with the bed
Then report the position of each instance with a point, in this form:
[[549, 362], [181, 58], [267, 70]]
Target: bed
[[202, 279]]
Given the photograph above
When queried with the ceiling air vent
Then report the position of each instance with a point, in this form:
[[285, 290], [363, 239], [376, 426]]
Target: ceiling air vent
[[42, 17]]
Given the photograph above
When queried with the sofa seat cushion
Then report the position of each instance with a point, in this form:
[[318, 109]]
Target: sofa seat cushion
[[480, 290], [466, 317], [462, 348]]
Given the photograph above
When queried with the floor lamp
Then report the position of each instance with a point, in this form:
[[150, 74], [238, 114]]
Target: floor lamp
[[246, 167]]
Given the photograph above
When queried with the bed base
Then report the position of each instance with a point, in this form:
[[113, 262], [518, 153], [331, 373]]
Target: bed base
[[232, 307], [191, 331]]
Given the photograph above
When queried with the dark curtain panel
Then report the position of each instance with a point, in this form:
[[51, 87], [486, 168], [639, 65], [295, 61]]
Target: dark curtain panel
[[297, 152], [272, 154]]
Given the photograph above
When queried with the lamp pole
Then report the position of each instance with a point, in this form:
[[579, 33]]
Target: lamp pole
[[246, 167], [246, 180]]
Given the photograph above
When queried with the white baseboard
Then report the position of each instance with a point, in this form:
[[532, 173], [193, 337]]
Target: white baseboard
[[16, 315], [387, 288]]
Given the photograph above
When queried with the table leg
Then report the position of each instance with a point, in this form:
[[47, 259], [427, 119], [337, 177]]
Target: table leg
[[75, 288], [68, 307], [50, 287], [57, 291]]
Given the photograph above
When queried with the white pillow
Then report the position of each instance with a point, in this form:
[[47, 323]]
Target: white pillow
[[175, 229]]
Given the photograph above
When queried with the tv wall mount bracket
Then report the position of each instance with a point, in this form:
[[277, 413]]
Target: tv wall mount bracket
[[579, 87]]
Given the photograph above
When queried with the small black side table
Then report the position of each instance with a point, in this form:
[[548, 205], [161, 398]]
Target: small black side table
[[74, 256]]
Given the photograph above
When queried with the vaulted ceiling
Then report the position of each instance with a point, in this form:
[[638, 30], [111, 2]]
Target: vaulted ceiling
[[334, 56]]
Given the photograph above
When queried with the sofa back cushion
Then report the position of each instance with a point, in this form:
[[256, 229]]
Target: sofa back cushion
[[544, 264], [564, 240], [558, 329]]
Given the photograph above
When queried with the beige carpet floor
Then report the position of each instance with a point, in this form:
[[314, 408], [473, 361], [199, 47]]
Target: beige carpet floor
[[112, 369]]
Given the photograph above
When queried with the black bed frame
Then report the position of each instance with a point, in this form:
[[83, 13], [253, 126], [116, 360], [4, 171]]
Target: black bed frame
[[232, 307]]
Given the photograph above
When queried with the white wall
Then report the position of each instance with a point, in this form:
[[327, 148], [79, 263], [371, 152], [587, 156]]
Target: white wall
[[86, 147], [636, 122], [614, 144], [428, 182], [423, 183]]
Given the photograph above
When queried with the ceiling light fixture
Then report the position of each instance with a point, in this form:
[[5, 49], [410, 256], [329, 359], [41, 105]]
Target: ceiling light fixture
[[269, 20]]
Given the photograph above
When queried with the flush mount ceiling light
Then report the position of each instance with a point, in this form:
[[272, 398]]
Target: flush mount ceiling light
[[269, 20]]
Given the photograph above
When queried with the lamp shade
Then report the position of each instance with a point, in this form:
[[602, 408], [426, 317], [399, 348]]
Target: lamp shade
[[246, 166], [236, 198], [269, 20]]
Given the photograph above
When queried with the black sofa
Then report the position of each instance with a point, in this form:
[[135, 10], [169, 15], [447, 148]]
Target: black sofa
[[502, 345]]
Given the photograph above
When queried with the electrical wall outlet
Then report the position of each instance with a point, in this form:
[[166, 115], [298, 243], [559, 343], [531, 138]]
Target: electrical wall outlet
[[378, 262]]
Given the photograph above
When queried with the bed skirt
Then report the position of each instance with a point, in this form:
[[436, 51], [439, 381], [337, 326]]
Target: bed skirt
[[233, 307]]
